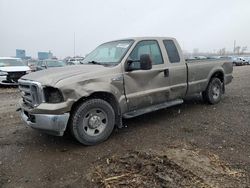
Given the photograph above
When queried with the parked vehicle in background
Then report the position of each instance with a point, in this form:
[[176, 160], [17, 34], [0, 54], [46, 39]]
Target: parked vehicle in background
[[247, 60], [75, 61], [12, 69], [200, 57], [32, 64], [119, 79], [239, 61], [46, 64]]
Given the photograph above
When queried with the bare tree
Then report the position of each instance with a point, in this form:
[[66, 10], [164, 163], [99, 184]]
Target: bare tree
[[222, 51], [237, 50], [243, 49]]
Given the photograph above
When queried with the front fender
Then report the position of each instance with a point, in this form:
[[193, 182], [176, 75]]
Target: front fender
[[87, 88]]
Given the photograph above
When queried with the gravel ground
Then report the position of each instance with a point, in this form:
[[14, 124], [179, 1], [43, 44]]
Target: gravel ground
[[200, 145]]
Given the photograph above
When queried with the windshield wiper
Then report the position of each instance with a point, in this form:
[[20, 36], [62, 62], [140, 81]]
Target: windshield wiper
[[95, 63]]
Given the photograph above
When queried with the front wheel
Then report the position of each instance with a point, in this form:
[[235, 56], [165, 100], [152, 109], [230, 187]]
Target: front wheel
[[213, 93], [93, 121]]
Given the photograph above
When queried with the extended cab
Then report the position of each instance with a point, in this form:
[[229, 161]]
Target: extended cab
[[119, 79]]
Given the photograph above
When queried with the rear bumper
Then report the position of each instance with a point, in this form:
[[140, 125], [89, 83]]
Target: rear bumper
[[51, 124]]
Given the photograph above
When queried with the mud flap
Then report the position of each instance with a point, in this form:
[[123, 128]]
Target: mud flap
[[223, 88], [119, 123]]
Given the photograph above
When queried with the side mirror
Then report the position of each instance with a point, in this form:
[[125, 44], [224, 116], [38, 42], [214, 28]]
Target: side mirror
[[145, 63]]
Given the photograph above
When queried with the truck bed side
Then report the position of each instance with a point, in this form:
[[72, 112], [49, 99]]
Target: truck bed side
[[201, 71]]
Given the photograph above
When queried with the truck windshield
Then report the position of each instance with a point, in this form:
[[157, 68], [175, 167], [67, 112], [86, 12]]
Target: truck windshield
[[110, 53], [11, 62]]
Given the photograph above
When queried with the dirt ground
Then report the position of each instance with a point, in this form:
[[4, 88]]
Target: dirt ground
[[190, 145]]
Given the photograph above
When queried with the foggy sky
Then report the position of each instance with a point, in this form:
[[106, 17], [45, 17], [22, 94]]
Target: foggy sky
[[42, 25]]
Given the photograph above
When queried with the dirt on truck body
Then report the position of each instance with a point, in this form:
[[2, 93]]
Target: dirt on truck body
[[119, 79]]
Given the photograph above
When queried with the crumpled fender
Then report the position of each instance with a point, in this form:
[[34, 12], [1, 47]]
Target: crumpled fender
[[85, 88]]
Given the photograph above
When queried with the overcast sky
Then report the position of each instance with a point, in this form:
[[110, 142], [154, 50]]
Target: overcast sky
[[42, 25]]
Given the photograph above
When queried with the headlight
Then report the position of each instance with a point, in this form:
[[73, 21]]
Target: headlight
[[52, 95], [3, 73], [28, 71]]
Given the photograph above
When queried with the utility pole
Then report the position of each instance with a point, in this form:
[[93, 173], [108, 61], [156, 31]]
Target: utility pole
[[234, 47], [74, 44]]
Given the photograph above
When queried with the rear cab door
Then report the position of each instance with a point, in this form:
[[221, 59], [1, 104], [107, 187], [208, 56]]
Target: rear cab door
[[178, 80]]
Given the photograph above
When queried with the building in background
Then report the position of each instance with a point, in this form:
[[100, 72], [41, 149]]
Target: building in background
[[45, 55], [20, 54], [27, 57]]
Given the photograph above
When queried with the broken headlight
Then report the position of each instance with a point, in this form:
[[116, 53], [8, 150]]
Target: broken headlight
[[52, 95]]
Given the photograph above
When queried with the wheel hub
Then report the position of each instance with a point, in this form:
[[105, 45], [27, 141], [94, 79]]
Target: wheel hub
[[94, 122], [216, 92]]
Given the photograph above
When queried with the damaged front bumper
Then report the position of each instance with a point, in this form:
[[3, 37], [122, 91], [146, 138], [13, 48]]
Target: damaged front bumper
[[51, 124]]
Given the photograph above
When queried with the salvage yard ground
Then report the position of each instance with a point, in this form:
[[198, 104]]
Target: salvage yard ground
[[190, 145]]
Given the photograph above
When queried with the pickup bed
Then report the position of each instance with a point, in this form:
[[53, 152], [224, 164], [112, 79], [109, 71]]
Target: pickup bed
[[119, 79]]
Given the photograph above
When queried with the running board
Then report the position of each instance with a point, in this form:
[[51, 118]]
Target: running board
[[149, 109]]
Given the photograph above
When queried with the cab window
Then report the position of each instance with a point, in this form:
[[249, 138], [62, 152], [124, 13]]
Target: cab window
[[150, 47], [172, 51]]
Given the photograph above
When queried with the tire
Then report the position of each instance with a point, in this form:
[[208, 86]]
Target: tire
[[93, 121], [213, 93]]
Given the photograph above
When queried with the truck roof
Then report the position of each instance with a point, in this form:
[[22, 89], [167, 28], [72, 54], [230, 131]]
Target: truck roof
[[149, 38]]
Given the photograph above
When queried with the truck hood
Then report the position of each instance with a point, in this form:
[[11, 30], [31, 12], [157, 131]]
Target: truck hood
[[54, 75], [15, 68]]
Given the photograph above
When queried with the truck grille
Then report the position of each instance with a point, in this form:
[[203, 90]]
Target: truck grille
[[31, 92]]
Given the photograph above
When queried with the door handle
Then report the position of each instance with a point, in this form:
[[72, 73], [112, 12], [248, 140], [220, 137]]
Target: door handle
[[165, 71]]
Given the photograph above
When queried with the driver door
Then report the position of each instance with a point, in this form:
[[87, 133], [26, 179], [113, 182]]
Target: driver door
[[144, 88]]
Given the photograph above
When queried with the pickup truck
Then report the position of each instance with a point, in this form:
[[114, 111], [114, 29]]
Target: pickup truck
[[119, 79]]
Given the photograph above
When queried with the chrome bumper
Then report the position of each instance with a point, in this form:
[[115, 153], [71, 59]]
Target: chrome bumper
[[51, 124]]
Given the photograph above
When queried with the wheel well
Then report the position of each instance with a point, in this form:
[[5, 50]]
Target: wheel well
[[108, 97], [219, 75]]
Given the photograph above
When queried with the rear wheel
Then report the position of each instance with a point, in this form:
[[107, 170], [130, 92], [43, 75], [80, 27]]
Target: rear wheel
[[93, 121], [213, 93]]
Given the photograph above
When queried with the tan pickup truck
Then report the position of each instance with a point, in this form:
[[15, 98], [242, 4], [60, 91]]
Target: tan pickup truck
[[119, 79]]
